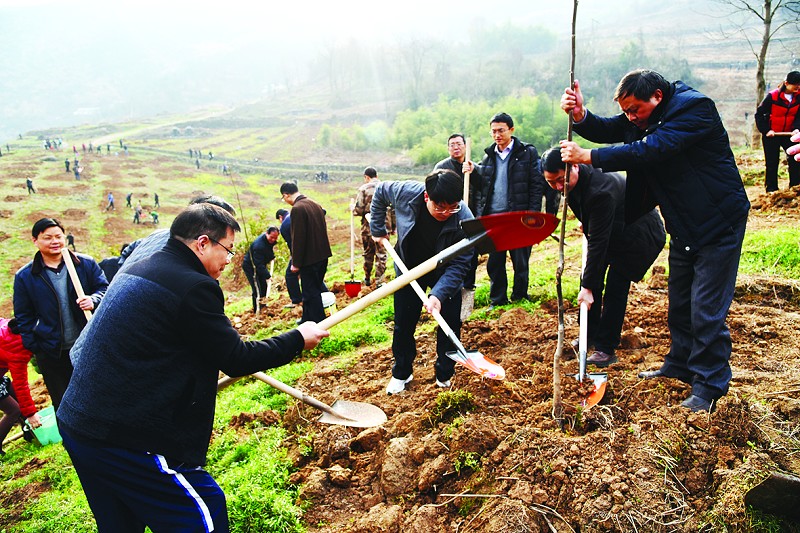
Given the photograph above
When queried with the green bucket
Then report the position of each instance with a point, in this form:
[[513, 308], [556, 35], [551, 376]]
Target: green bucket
[[47, 433]]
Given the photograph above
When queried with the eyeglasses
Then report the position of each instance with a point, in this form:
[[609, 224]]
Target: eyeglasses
[[231, 253], [446, 210]]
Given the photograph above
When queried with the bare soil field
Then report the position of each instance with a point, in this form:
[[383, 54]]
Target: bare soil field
[[497, 461]]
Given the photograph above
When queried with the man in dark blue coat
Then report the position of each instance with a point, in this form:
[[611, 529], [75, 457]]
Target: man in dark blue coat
[[507, 179], [137, 417], [616, 253], [49, 312], [255, 262], [677, 155]]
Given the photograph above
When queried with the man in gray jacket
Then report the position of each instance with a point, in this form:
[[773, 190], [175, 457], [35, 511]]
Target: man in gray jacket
[[428, 217]]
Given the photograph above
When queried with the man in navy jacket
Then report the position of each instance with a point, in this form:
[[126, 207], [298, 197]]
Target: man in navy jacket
[[428, 217], [49, 312], [678, 156], [138, 414]]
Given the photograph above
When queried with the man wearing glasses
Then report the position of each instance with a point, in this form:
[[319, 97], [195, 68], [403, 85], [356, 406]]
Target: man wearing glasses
[[137, 417], [428, 217], [457, 149], [507, 179]]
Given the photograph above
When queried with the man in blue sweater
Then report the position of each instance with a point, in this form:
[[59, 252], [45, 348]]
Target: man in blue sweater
[[138, 414]]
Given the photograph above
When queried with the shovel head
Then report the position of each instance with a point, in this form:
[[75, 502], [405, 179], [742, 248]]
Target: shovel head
[[478, 363], [779, 494], [511, 230], [355, 414], [600, 381]]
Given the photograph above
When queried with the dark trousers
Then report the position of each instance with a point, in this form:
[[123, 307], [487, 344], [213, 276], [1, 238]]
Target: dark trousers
[[262, 286], [701, 288], [407, 310], [293, 284], [605, 322], [312, 278], [773, 147], [496, 268], [56, 372], [128, 490]]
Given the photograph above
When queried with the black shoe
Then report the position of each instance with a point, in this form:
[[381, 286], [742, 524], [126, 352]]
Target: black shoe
[[697, 404], [601, 359]]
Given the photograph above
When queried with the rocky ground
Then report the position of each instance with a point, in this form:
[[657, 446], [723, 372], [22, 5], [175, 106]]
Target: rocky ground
[[489, 456]]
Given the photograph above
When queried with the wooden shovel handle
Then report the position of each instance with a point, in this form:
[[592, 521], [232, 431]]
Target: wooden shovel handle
[[73, 275]]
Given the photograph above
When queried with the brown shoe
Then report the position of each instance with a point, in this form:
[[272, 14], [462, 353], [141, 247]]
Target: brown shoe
[[601, 359]]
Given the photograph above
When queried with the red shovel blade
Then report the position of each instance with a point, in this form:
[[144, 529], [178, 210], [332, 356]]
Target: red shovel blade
[[479, 363], [508, 231]]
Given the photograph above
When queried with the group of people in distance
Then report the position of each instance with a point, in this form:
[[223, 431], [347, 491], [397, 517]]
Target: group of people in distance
[[135, 385]]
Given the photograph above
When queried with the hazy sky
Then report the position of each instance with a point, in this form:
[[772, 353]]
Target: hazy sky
[[70, 62]]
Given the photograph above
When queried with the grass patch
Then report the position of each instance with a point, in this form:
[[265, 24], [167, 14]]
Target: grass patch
[[774, 252]]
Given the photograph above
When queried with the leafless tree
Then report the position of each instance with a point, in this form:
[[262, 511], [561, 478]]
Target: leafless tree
[[774, 16]]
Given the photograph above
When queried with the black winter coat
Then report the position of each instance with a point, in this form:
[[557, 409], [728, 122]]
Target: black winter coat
[[598, 201], [525, 181]]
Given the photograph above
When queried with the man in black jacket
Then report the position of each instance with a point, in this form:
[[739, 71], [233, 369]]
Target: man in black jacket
[[678, 156], [138, 414], [508, 179], [616, 253], [255, 262]]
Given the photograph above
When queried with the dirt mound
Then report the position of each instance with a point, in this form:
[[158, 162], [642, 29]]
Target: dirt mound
[[778, 200]]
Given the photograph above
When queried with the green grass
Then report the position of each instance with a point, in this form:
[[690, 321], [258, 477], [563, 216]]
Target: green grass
[[774, 252]]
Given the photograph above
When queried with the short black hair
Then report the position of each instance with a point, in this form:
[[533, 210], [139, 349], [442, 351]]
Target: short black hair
[[202, 219], [289, 187], [281, 213], [272, 229], [503, 117], [454, 135], [214, 200], [371, 172], [551, 160], [444, 186], [42, 224], [793, 77], [641, 84]]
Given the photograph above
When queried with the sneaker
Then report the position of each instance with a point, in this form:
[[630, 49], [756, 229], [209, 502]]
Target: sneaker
[[289, 305], [443, 384], [601, 359], [576, 344], [397, 386], [27, 433]]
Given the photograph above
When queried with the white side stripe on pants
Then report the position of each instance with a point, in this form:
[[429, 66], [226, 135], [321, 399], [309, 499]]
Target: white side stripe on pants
[[162, 462]]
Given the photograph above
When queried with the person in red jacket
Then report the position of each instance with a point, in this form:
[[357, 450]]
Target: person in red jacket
[[14, 357], [776, 117]]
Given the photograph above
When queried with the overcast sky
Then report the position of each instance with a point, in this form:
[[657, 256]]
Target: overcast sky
[[61, 61]]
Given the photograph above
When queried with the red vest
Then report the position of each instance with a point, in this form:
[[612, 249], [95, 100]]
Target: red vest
[[783, 113]]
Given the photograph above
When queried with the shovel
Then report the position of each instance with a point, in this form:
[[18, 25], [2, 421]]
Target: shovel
[[269, 282], [600, 379], [491, 233], [779, 494], [76, 282], [473, 360], [352, 287]]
